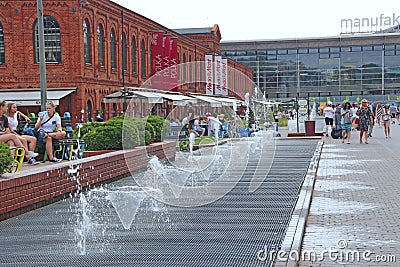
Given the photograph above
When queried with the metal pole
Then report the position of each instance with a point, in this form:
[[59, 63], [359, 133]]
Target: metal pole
[[383, 72], [297, 112], [42, 58], [122, 63]]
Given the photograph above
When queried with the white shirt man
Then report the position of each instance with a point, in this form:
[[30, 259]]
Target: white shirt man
[[329, 114]]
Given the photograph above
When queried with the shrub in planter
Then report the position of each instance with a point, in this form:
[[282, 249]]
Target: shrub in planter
[[161, 126], [112, 135], [146, 131], [86, 128], [6, 158], [283, 122]]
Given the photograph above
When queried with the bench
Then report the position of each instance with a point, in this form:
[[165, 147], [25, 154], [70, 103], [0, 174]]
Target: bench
[[19, 155], [67, 148]]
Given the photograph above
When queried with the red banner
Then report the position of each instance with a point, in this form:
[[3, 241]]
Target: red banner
[[157, 62], [173, 61], [166, 77]]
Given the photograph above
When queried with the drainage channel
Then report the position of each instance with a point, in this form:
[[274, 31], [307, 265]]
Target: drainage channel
[[227, 232]]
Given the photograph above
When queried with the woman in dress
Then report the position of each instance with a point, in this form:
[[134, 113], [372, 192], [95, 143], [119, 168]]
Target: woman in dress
[[365, 119], [347, 114], [386, 116]]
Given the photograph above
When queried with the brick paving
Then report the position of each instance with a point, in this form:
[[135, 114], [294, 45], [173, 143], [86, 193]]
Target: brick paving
[[355, 209]]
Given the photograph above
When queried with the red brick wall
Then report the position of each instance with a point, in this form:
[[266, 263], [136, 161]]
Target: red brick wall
[[31, 189], [93, 81]]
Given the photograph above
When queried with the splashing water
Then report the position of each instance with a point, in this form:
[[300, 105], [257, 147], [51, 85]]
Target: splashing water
[[126, 204]]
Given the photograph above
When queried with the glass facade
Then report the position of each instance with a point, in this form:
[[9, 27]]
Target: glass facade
[[2, 52], [321, 67]]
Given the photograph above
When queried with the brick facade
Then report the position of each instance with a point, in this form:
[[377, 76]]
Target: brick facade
[[93, 80]]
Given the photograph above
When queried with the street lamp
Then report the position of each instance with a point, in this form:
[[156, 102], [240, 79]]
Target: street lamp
[[42, 58]]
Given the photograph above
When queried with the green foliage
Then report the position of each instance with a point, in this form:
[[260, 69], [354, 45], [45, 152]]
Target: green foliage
[[283, 122], [204, 140], [123, 132], [161, 126], [6, 158], [130, 133]]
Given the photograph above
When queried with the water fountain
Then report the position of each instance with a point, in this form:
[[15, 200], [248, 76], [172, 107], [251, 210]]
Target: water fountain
[[313, 112], [247, 104]]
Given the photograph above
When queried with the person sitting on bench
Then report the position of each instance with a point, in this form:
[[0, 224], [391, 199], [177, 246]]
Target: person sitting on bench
[[49, 127]]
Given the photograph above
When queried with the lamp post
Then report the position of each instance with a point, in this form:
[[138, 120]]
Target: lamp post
[[123, 54], [42, 58]]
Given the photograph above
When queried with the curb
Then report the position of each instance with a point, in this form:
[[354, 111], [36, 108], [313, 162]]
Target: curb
[[291, 244]]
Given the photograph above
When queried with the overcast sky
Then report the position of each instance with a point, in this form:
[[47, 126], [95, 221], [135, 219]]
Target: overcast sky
[[263, 19]]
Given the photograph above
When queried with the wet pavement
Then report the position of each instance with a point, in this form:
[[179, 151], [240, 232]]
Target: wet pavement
[[354, 219]]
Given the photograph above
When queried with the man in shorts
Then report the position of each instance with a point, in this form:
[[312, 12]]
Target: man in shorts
[[329, 113]]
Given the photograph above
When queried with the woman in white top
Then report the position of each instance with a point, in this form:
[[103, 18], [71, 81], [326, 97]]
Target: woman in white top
[[6, 136], [12, 116], [386, 116], [49, 126]]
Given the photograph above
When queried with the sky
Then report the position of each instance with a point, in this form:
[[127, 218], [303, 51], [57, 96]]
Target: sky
[[262, 19]]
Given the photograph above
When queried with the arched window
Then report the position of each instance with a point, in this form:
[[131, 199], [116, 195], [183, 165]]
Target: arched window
[[86, 42], [103, 108], [2, 52], [124, 63], [52, 40], [113, 50], [142, 58], [184, 68], [100, 44], [134, 68], [114, 110], [89, 110], [190, 70]]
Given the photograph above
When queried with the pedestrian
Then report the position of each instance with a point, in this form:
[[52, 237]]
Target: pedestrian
[[354, 109], [378, 114], [346, 114], [49, 127], [190, 112], [329, 114], [398, 114], [27, 140], [99, 118], [393, 110], [9, 138], [365, 120], [371, 126], [386, 115]]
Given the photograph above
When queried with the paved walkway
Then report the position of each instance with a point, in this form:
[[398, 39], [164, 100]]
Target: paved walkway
[[354, 219]]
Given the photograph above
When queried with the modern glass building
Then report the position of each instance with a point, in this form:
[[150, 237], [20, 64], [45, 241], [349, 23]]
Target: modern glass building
[[347, 65]]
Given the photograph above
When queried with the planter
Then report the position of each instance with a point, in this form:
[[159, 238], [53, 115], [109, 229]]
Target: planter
[[96, 153]]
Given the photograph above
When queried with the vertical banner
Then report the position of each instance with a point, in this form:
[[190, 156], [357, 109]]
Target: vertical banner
[[224, 76], [209, 74], [217, 73], [166, 77], [157, 62], [173, 63]]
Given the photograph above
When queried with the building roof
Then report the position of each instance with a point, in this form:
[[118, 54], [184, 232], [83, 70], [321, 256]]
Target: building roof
[[194, 30]]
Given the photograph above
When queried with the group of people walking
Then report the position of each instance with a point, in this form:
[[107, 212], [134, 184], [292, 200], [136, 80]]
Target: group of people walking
[[47, 127], [351, 117]]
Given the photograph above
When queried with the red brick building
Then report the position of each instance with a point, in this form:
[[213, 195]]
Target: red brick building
[[84, 44]]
